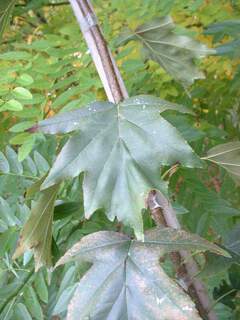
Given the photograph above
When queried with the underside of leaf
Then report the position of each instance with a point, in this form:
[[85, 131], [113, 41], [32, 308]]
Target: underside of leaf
[[227, 155], [126, 280], [37, 232], [175, 53]]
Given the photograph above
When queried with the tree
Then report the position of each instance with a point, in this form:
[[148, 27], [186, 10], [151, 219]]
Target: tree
[[120, 157]]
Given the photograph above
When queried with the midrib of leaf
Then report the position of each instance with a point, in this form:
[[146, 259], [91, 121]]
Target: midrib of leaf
[[76, 158], [220, 153], [119, 118], [8, 7], [44, 239], [18, 175], [150, 142], [40, 216], [224, 164], [233, 244], [111, 273], [154, 27], [158, 54], [173, 45], [231, 171], [94, 296]]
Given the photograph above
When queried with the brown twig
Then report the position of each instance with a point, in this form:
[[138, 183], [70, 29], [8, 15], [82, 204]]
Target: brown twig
[[103, 60], [187, 268], [116, 91]]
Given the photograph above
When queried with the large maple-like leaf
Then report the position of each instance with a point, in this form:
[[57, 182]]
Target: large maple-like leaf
[[175, 53], [227, 155], [120, 148], [126, 280], [37, 231]]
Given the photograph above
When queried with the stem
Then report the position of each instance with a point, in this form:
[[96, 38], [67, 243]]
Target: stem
[[163, 214], [116, 91], [103, 60], [18, 175]]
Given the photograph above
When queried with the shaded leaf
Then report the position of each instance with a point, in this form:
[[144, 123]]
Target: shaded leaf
[[21, 312], [26, 147], [37, 232], [64, 299], [15, 165], [175, 53], [6, 8], [120, 149], [4, 166], [41, 163], [34, 188], [231, 49], [227, 155], [8, 240], [233, 241], [7, 214], [65, 209], [32, 303], [226, 28], [221, 29], [126, 280], [41, 287]]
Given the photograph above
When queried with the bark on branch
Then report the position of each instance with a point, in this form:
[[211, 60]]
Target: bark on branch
[[161, 209], [187, 268]]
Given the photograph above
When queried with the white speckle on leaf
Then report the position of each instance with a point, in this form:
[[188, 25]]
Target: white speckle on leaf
[[160, 301], [187, 308]]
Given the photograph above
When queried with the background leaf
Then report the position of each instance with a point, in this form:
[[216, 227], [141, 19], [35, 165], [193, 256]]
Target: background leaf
[[227, 155], [37, 232], [6, 8], [175, 53]]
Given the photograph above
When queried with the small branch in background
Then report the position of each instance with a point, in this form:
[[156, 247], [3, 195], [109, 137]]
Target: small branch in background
[[160, 207], [187, 268], [103, 60], [57, 4]]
